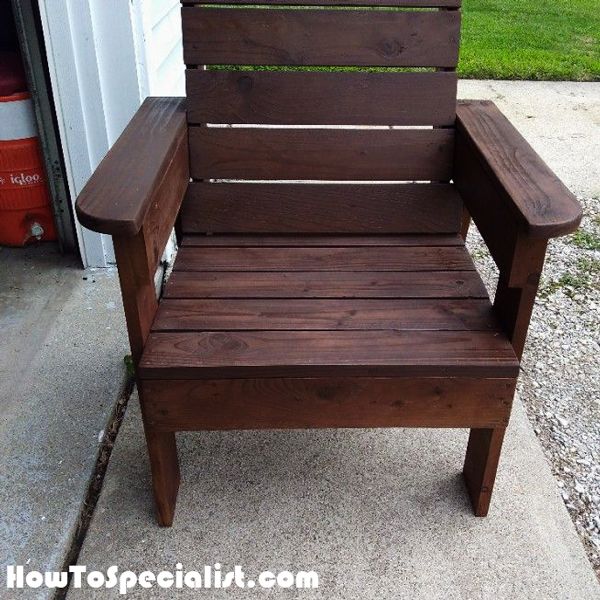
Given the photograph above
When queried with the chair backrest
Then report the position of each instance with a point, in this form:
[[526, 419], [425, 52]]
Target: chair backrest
[[298, 114]]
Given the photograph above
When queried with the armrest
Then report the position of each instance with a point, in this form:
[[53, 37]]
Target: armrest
[[540, 203], [126, 184]]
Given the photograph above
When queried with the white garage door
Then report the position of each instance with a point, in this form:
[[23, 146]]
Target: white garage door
[[105, 57]]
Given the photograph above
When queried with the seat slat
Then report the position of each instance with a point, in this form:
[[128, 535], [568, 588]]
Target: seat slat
[[324, 259], [200, 355], [324, 241], [325, 284], [259, 36], [303, 314], [344, 155], [298, 98], [326, 208]]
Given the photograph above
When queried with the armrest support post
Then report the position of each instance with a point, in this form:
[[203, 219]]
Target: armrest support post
[[135, 195], [514, 304], [137, 289], [516, 202]]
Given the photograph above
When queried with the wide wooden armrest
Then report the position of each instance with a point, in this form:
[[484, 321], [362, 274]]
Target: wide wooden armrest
[[537, 199], [127, 182]]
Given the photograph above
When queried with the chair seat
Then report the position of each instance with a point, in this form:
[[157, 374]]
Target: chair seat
[[325, 306]]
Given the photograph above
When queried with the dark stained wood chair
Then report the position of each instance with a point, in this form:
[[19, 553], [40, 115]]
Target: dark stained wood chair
[[322, 279]]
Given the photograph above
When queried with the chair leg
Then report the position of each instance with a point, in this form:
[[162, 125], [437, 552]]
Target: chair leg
[[164, 465], [481, 463]]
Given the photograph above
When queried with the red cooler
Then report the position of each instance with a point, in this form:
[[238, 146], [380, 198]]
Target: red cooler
[[25, 209]]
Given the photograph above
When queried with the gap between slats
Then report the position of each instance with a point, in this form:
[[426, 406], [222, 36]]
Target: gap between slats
[[303, 240]]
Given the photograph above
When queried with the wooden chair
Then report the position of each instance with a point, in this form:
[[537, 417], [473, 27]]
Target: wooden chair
[[322, 278]]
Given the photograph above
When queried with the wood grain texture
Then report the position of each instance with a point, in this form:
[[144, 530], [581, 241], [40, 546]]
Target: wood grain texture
[[164, 210], [438, 258], [138, 255], [514, 300], [321, 154], [320, 37], [316, 314], [136, 277], [326, 208], [322, 241], [299, 98], [391, 3], [127, 182], [481, 464], [518, 254], [164, 465], [325, 284], [200, 355], [326, 402], [533, 195], [485, 203]]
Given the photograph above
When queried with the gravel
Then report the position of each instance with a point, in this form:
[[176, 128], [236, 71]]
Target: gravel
[[560, 378]]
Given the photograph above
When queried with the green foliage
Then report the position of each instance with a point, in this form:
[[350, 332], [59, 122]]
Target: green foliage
[[586, 240], [129, 366]]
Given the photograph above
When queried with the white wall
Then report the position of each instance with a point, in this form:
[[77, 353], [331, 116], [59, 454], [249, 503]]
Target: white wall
[[104, 58], [161, 31]]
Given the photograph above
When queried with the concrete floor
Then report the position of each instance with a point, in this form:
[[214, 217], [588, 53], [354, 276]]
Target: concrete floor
[[61, 369], [378, 514]]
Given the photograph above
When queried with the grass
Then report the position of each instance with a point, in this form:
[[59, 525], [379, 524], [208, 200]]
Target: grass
[[586, 240], [531, 39], [512, 39]]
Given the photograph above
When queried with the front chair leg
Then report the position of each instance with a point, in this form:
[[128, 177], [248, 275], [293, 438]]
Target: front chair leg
[[481, 463], [162, 450]]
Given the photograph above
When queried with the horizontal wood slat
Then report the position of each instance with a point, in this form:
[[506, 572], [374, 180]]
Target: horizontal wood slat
[[327, 353], [390, 3], [306, 315], [297, 98], [333, 402], [148, 160], [324, 259], [525, 188], [314, 208], [320, 37], [323, 241], [345, 155], [325, 284]]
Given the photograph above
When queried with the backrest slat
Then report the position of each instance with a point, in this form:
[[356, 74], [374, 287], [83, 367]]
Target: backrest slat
[[322, 154], [321, 116], [311, 208], [300, 98], [262, 36]]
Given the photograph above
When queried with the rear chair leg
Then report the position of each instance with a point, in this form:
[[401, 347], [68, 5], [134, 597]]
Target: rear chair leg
[[481, 463], [164, 465]]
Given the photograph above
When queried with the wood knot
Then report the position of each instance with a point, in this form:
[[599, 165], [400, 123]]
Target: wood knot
[[225, 341], [392, 48]]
